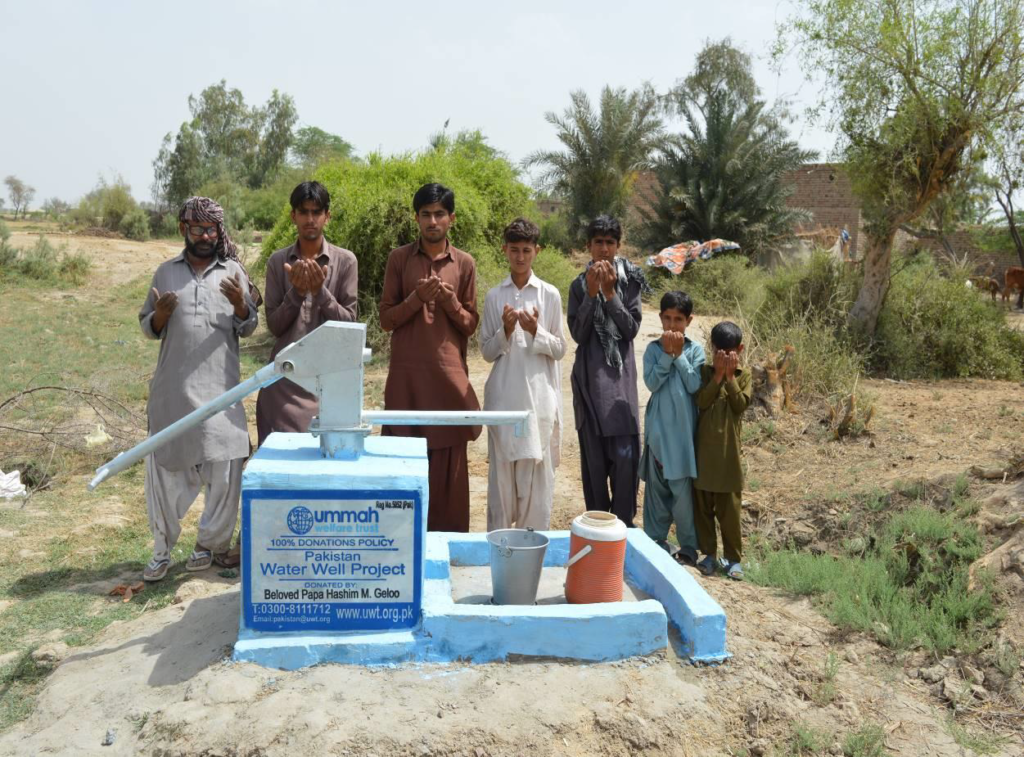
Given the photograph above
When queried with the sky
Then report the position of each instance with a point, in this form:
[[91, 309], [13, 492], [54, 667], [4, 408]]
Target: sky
[[90, 88]]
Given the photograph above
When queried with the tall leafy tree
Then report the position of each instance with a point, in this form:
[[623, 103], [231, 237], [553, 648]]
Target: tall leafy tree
[[56, 207], [1009, 180], [603, 153], [723, 175], [21, 194], [314, 146], [224, 138], [270, 136], [966, 201], [913, 88]]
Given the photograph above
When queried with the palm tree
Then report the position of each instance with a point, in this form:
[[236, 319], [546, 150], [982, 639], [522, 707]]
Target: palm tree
[[604, 152], [723, 175]]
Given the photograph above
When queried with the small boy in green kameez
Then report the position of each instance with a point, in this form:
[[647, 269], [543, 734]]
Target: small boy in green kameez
[[722, 400]]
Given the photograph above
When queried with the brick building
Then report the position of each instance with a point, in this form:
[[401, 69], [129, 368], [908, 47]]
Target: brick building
[[826, 192]]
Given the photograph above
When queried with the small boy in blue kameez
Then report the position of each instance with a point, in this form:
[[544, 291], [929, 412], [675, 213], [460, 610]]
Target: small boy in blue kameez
[[668, 466]]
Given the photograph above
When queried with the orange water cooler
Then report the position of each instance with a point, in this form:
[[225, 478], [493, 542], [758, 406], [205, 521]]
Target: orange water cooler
[[597, 557]]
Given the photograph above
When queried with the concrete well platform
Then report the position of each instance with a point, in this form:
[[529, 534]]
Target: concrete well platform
[[454, 627]]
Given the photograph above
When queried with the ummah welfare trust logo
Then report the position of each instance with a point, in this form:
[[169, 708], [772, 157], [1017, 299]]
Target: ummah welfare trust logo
[[300, 520]]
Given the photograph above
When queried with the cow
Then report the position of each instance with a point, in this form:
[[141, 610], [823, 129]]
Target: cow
[[985, 282], [1014, 279]]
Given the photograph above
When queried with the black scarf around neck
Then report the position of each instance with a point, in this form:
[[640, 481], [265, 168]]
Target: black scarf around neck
[[607, 330]]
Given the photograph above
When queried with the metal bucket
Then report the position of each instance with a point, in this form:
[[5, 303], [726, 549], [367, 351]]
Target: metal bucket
[[517, 557]]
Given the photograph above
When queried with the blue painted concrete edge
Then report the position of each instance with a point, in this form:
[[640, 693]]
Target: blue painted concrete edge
[[485, 633], [699, 618], [474, 549]]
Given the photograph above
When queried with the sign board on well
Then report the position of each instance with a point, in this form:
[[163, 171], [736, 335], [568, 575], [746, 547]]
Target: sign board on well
[[331, 560]]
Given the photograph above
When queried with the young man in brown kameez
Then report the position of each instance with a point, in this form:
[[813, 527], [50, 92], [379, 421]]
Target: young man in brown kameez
[[429, 306], [308, 283]]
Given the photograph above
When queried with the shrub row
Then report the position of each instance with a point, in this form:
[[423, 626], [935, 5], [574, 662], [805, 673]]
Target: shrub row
[[42, 262]]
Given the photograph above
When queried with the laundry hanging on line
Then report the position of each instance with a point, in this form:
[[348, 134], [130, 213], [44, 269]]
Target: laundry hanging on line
[[676, 257]]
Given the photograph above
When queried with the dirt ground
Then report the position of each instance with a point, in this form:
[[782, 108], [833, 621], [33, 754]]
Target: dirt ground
[[164, 685]]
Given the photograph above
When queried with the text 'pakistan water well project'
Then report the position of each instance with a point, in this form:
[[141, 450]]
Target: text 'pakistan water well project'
[[337, 565]]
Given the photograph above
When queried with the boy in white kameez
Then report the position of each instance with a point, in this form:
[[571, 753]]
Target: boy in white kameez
[[522, 335]]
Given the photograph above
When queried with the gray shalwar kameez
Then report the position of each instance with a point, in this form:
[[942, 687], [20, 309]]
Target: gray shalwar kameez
[[199, 360]]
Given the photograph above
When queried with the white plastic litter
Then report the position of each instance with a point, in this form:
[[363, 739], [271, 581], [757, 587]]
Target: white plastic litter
[[98, 438], [10, 485]]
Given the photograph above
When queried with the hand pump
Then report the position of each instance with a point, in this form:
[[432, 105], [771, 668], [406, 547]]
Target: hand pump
[[327, 362]]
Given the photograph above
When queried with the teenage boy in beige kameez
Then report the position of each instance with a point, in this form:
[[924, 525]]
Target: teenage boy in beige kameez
[[521, 336]]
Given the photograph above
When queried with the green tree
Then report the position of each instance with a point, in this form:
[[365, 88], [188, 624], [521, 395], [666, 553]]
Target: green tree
[[224, 138], [965, 202], [314, 146], [21, 194], [179, 167], [56, 207], [107, 204], [270, 136], [723, 176], [913, 88], [603, 151], [1009, 178]]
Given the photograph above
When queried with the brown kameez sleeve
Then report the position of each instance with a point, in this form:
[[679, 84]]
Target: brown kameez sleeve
[[342, 305], [395, 308], [282, 302], [461, 309]]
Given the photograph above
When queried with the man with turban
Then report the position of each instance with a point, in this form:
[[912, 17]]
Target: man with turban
[[199, 304]]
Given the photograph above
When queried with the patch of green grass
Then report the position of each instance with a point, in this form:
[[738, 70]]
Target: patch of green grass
[[43, 263], [1005, 412], [965, 508], [911, 489], [1006, 659], [910, 587], [807, 740], [825, 692], [866, 741], [876, 500], [19, 682], [961, 486], [139, 721], [978, 742], [758, 431]]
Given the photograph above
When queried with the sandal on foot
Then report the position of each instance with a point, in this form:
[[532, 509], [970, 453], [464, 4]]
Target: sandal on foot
[[156, 570], [686, 557], [200, 559], [230, 559], [735, 571], [707, 566]]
